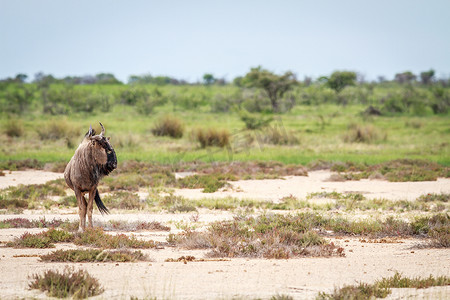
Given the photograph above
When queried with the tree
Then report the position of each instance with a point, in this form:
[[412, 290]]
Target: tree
[[427, 76], [106, 78], [405, 77], [340, 79], [275, 86], [208, 79], [21, 77]]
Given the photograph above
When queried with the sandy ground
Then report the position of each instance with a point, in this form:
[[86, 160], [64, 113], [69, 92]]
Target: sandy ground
[[236, 278]]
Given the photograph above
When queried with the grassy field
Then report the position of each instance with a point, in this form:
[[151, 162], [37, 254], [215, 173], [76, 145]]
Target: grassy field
[[322, 132], [47, 123]]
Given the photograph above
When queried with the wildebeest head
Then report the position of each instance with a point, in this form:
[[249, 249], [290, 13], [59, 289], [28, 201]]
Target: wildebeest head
[[103, 153]]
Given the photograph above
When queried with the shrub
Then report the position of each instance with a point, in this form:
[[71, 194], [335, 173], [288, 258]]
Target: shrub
[[41, 240], [382, 288], [253, 121], [168, 126], [93, 255], [95, 237], [28, 240], [278, 136], [363, 134], [212, 137], [57, 129], [70, 283], [274, 236], [210, 183], [14, 128], [124, 200]]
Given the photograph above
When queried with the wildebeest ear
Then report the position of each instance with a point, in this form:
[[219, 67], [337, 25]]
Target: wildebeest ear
[[91, 132], [108, 138]]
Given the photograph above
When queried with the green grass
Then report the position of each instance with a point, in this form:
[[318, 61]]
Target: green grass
[[134, 141]]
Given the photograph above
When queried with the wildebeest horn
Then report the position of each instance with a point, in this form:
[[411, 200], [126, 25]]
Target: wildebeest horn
[[90, 132], [103, 129]]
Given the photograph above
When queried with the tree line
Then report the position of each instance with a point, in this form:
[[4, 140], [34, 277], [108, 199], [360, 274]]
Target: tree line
[[260, 90]]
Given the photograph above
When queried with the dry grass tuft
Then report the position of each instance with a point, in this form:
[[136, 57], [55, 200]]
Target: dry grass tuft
[[70, 283], [57, 129], [168, 126], [14, 128], [212, 137], [363, 134]]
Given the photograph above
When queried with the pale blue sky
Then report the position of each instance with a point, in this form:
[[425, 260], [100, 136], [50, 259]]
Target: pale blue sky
[[186, 39]]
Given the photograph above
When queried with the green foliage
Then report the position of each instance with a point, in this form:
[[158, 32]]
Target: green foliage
[[70, 283], [254, 121], [210, 183], [123, 200], [275, 86], [93, 255], [41, 240], [168, 126], [340, 79], [405, 77], [14, 128], [95, 237]]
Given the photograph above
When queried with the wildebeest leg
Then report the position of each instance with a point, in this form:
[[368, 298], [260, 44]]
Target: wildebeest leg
[[81, 210], [90, 206]]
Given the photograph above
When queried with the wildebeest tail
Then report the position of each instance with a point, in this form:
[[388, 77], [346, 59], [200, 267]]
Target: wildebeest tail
[[101, 207]]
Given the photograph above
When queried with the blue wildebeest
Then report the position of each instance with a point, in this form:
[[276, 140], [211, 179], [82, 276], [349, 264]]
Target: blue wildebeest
[[94, 159]]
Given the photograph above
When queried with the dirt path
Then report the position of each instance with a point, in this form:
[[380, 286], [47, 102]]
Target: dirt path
[[243, 278], [316, 182], [301, 278], [14, 178]]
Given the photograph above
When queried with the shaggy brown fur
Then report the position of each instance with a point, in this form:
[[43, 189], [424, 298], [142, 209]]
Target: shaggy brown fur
[[94, 158]]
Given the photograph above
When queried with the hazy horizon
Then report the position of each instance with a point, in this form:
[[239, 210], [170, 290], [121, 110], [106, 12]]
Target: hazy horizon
[[185, 40]]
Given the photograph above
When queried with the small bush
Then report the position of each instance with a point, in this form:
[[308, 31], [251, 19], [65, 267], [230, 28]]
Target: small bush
[[12, 203], [169, 126], [276, 236], [28, 240], [254, 121], [278, 136], [69, 201], [41, 240], [359, 292], [134, 226], [70, 283], [57, 129], [212, 137], [93, 255], [14, 128], [24, 164], [124, 200], [210, 183], [176, 204], [382, 288], [363, 134], [95, 237], [37, 191]]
